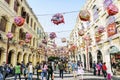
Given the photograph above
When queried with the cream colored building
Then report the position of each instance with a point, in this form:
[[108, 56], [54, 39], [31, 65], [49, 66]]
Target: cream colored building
[[9, 9], [108, 48]]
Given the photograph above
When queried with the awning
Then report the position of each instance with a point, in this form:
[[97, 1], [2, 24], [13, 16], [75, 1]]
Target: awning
[[114, 50]]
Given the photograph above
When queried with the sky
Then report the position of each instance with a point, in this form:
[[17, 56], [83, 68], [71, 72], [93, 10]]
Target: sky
[[43, 7]]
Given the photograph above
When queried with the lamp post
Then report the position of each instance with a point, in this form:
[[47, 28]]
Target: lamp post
[[9, 36]]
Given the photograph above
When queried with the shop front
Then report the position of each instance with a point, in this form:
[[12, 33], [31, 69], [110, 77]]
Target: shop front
[[115, 60]]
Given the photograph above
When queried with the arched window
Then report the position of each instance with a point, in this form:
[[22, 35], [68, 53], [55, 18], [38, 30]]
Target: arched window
[[34, 26], [3, 23], [23, 12], [27, 18], [33, 41], [16, 5], [22, 34], [13, 28], [31, 22]]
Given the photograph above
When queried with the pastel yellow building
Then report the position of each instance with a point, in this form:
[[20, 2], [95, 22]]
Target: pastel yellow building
[[9, 9], [107, 48]]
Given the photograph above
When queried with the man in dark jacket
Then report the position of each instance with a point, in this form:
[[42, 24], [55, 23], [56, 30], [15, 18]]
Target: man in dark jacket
[[50, 71], [61, 69], [3, 70]]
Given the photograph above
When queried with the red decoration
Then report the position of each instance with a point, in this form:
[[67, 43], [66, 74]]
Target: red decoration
[[9, 35], [101, 29], [111, 29], [44, 41], [112, 9], [84, 15], [63, 40], [86, 37], [28, 36], [52, 35], [57, 19], [81, 32], [97, 37], [19, 21], [72, 48]]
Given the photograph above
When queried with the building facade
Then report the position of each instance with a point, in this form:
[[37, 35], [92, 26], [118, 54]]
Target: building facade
[[103, 47], [27, 52]]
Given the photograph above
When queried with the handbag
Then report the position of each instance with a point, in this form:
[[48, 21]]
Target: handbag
[[39, 70]]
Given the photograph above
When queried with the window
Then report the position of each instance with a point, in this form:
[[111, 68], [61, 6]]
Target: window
[[16, 5], [13, 28], [31, 22], [3, 23], [27, 18], [95, 12], [33, 41], [34, 26], [23, 13], [8, 1], [22, 34]]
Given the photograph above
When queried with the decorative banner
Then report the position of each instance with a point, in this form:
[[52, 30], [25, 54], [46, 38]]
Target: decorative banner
[[19, 21], [63, 40], [52, 35], [84, 15], [28, 36], [112, 9], [111, 29], [9, 35], [57, 19], [101, 29], [81, 32]]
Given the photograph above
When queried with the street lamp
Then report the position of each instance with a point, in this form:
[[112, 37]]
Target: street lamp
[[9, 36]]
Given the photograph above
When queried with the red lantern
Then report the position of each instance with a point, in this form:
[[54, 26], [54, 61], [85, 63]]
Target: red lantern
[[9, 35], [101, 29], [63, 40], [112, 9], [84, 15], [111, 29], [19, 21], [57, 19], [81, 32]]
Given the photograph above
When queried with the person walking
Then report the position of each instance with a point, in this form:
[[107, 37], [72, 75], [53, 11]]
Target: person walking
[[98, 69], [94, 68], [30, 71], [38, 69], [50, 71], [74, 69], [17, 71], [80, 71], [61, 69], [104, 68]]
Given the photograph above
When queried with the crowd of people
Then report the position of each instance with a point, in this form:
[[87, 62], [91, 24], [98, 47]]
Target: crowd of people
[[45, 70]]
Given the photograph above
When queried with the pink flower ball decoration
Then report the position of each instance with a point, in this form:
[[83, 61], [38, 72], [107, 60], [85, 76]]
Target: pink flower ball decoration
[[28, 36], [9, 35], [101, 29], [19, 21], [84, 15], [27, 40], [112, 9], [81, 32], [57, 19], [52, 35]]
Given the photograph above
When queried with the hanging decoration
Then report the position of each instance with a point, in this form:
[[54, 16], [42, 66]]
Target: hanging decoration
[[98, 37], [84, 15], [111, 29], [27, 40], [86, 37], [28, 36], [19, 21], [52, 35], [72, 48], [57, 19], [101, 29], [81, 32], [112, 9], [21, 42], [63, 40], [9, 35]]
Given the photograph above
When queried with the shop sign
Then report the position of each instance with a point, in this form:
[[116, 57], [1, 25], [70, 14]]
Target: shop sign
[[111, 29]]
